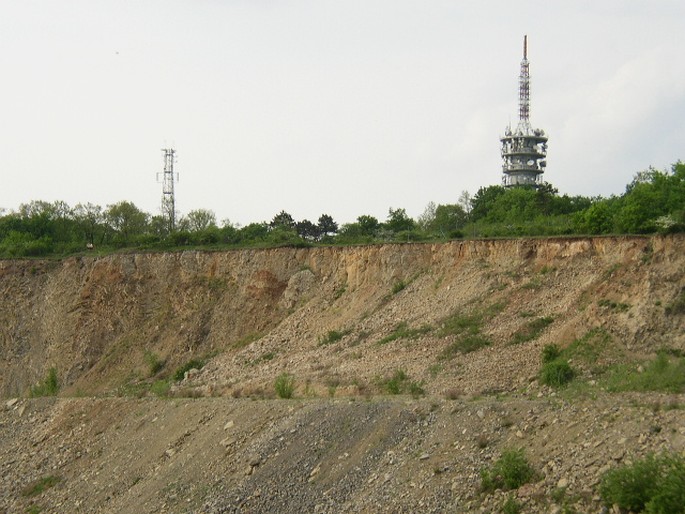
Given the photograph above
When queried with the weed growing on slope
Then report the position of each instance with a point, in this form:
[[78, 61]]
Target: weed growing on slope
[[511, 471], [467, 329], [402, 331], [653, 485], [531, 330], [512, 506], [661, 374], [400, 383], [398, 286], [550, 352], [556, 373], [48, 387], [246, 340], [333, 336], [285, 385], [40, 485], [614, 306], [160, 388], [180, 372], [153, 362]]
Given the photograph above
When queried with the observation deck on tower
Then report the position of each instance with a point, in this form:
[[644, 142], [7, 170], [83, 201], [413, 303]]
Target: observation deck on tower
[[524, 149]]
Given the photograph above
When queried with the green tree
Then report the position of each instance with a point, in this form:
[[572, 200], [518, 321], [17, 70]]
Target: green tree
[[307, 230], [327, 226], [126, 221], [282, 220], [198, 220], [89, 218], [484, 200], [448, 219], [399, 221]]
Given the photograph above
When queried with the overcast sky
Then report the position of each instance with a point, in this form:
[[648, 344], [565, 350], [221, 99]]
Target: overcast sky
[[340, 107]]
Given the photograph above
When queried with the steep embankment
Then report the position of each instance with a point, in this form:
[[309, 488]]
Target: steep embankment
[[262, 312], [341, 321]]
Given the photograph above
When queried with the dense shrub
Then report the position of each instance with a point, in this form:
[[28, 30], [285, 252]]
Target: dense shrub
[[285, 385], [556, 373], [511, 471], [48, 387], [180, 372], [654, 485]]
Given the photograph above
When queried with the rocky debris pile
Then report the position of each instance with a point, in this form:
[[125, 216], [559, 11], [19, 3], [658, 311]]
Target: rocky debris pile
[[379, 455]]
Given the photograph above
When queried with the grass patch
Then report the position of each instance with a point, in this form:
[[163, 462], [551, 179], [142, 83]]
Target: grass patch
[[511, 471], [332, 336], [556, 373], [402, 331], [614, 306], [160, 388], [533, 283], [180, 372], [48, 387], [512, 506], [550, 353], [285, 385], [246, 340], [398, 286], [153, 362], [400, 383], [531, 330], [39, 486], [653, 485], [467, 329], [590, 347], [465, 344], [265, 357], [661, 374]]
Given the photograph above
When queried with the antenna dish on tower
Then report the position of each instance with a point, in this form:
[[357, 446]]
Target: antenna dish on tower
[[523, 149]]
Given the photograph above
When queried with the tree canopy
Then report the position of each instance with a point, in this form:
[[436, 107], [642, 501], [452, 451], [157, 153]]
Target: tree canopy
[[654, 201]]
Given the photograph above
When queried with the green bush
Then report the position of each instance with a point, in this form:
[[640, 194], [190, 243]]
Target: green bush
[[332, 336], [655, 485], [153, 362], [398, 286], [511, 471], [400, 383], [511, 506], [395, 385], [160, 388], [180, 372], [550, 352], [285, 385], [556, 373], [48, 387]]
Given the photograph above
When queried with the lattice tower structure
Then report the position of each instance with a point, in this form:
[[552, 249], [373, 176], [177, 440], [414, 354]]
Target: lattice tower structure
[[168, 195], [524, 149]]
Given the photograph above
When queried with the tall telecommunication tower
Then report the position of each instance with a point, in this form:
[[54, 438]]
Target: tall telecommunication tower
[[524, 149], [168, 200]]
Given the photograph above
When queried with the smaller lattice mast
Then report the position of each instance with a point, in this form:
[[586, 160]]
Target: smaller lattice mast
[[168, 197], [524, 149]]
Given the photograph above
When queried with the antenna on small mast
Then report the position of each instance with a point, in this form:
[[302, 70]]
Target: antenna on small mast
[[525, 47]]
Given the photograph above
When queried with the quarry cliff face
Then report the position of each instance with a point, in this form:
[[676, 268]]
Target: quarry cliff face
[[254, 313]]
